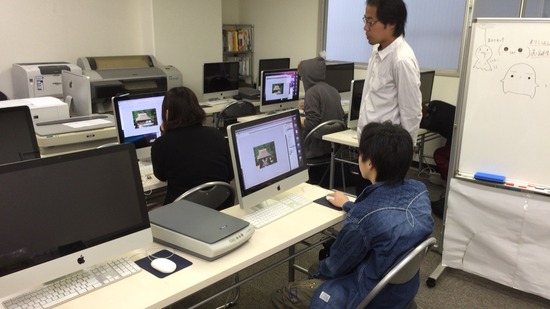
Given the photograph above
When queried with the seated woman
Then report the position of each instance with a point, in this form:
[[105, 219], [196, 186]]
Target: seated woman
[[188, 154]]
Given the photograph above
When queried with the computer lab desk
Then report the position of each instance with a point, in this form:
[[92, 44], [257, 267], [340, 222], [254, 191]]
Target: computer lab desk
[[348, 138], [144, 290]]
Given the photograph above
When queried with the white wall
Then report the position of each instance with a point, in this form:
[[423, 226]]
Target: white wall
[[64, 30]]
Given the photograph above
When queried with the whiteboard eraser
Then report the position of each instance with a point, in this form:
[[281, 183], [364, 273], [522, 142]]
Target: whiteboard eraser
[[489, 177]]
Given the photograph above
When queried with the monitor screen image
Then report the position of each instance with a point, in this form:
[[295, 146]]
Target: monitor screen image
[[220, 80], [77, 93], [267, 157], [340, 76], [70, 212], [280, 90], [138, 120], [355, 104], [271, 64], [17, 135], [426, 85]]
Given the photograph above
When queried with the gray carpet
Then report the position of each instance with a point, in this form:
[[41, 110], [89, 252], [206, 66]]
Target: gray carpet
[[453, 289]]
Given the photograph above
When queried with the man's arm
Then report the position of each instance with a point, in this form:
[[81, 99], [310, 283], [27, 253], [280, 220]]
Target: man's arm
[[409, 97]]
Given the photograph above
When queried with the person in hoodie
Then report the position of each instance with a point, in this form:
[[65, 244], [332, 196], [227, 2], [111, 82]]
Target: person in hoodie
[[322, 102]]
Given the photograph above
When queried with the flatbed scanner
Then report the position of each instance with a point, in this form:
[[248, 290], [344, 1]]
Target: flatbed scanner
[[198, 230]]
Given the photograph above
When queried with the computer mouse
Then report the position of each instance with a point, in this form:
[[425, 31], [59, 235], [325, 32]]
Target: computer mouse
[[163, 265], [330, 198]]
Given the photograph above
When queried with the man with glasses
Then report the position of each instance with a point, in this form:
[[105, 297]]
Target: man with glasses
[[392, 85]]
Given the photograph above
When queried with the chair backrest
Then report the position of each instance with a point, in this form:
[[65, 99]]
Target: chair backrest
[[231, 112], [327, 127], [402, 271], [215, 194]]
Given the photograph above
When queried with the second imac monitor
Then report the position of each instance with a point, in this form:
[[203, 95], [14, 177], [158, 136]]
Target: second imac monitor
[[267, 157], [280, 90], [220, 80]]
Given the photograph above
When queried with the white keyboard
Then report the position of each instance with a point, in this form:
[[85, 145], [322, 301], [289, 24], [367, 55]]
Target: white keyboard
[[219, 102], [74, 285], [276, 209], [146, 170]]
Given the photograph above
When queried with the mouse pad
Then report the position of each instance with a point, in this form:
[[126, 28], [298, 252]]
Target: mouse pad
[[323, 201], [145, 263]]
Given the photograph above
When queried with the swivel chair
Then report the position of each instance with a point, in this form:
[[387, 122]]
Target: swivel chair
[[402, 271], [231, 112], [215, 194]]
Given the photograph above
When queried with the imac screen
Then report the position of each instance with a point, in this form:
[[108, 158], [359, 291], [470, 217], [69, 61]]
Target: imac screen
[[220, 80], [280, 90], [77, 92], [340, 76], [267, 157], [17, 135], [138, 120], [426, 85], [272, 64], [355, 105], [70, 212]]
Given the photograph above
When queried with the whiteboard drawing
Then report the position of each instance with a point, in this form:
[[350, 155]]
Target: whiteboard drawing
[[514, 51], [520, 79], [483, 54]]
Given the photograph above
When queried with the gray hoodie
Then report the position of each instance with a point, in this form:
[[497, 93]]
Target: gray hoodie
[[322, 102]]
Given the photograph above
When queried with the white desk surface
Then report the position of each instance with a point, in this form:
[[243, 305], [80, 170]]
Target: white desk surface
[[218, 108], [348, 137], [144, 290]]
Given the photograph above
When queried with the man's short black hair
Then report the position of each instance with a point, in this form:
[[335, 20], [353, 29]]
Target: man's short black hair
[[391, 12], [389, 148]]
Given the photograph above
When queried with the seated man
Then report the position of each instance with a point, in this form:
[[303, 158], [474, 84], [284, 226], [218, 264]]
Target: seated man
[[387, 219]]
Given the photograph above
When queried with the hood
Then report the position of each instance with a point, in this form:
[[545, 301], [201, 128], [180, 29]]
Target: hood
[[312, 71]]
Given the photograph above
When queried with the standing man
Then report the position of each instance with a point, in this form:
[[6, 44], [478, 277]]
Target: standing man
[[392, 85]]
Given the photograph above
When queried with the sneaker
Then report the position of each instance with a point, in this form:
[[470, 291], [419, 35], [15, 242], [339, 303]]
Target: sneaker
[[438, 207], [436, 180]]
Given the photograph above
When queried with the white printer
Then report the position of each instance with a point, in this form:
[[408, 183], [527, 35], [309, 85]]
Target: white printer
[[42, 108], [39, 79]]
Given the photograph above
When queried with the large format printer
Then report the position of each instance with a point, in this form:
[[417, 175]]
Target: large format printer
[[114, 75], [40, 79]]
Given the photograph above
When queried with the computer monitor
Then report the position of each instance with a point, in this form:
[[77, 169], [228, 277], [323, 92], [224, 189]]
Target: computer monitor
[[280, 90], [17, 135], [138, 120], [426, 86], [220, 80], [65, 213], [271, 64], [77, 93], [340, 75], [355, 104], [267, 157]]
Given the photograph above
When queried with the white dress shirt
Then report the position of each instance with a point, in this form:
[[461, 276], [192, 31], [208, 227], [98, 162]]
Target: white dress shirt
[[392, 88]]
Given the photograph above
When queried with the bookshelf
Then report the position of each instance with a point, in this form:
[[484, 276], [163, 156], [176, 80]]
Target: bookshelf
[[238, 45]]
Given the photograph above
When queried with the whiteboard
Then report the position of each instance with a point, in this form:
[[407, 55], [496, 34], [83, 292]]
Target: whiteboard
[[506, 100]]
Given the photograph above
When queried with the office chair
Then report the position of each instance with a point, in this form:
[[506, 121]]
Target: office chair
[[402, 271], [231, 112], [327, 127], [215, 194]]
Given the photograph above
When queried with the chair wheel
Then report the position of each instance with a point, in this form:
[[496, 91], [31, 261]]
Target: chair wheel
[[430, 282]]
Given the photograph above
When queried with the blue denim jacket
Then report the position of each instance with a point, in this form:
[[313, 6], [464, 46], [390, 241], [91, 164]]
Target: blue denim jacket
[[384, 223]]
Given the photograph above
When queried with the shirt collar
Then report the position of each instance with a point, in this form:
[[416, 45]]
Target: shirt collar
[[390, 48]]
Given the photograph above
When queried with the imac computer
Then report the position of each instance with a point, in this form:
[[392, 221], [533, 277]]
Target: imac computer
[[138, 120], [280, 90], [220, 80], [426, 86], [66, 213], [77, 93], [271, 64], [267, 157], [355, 104], [340, 76], [17, 135]]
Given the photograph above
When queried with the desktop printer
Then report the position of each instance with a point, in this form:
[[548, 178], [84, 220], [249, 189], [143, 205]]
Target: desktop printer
[[198, 230], [114, 75], [40, 79], [42, 108]]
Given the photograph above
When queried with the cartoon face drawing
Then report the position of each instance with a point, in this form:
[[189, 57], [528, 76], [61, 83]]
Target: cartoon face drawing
[[483, 54], [514, 51], [520, 79]]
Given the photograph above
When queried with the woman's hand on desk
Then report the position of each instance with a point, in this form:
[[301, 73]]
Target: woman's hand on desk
[[337, 199]]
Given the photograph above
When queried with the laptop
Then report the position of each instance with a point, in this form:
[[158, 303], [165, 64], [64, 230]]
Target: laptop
[[355, 104]]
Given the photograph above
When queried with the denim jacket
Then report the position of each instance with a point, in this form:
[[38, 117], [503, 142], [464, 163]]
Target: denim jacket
[[381, 225]]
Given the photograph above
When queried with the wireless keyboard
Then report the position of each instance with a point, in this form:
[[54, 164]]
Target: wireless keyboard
[[276, 210], [219, 102], [74, 285]]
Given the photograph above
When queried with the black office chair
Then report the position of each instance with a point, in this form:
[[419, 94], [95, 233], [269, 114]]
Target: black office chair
[[215, 194], [402, 271], [327, 127], [231, 112]]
